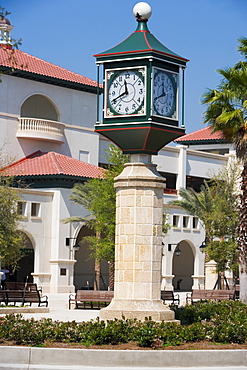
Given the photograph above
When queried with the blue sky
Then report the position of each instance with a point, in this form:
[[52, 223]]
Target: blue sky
[[69, 33]]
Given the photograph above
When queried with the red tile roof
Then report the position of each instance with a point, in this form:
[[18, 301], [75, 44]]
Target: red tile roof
[[204, 134], [51, 163], [28, 63]]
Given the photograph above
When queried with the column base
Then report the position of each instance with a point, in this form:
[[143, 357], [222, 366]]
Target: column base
[[137, 309]]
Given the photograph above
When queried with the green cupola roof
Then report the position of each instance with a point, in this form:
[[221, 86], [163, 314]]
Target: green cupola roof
[[141, 43]]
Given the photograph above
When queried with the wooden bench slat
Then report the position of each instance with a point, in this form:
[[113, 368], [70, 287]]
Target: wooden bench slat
[[91, 296], [3, 297], [25, 296], [15, 285], [168, 295], [208, 294]]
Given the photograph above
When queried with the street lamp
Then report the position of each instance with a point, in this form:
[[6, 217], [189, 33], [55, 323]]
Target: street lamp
[[177, 250], [75, 247], [202, 246]]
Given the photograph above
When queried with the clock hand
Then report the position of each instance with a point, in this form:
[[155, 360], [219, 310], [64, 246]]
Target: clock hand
[[126, 88], [119, 96], [160, 96]]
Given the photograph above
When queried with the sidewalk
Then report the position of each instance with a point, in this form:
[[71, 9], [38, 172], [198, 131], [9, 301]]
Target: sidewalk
[[58, 307], [58, 310], [32, 358]]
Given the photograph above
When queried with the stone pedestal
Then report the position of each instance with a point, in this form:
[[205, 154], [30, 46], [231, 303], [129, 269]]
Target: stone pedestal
[[139, 211]]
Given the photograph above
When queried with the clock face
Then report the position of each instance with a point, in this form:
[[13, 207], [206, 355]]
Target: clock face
[[125, 92], [164, 93]]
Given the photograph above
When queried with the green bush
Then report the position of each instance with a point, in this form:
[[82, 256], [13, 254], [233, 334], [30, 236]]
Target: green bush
[[224, 322]]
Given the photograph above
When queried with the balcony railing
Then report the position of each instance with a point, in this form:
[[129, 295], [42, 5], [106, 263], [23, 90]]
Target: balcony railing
[[170, 191], [40, 129]]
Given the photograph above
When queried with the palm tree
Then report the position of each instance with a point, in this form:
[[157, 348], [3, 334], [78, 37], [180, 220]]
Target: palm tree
[[81, 196], [198, 204], [227, 112], [98, 196], [216, 208]]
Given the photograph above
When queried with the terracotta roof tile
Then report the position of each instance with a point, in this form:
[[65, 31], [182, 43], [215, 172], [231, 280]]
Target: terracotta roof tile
[[201, 135], [29, 63], [51, 163]]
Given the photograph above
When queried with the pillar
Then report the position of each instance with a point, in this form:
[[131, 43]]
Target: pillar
[[138, 250]]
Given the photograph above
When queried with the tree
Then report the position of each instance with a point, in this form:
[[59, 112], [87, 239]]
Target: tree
[[199, 205], [227, 112], [11, 238], [216, 207], [222, 247], [10, 51], [98, 195]]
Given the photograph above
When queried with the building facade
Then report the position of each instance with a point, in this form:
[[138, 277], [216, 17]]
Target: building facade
[[47, 118]]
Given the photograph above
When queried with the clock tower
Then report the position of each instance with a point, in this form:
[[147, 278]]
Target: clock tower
[[141, 91], [140, 115]]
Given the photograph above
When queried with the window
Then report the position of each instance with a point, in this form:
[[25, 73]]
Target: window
[[63, 272], [84, 156], [171, 179], [195, 222], [175, 221], [21, 208], [194, 183], [35, 209], [185, 222]]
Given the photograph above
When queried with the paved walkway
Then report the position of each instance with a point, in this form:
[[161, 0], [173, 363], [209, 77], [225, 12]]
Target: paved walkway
[[31, 358], [58, 306]]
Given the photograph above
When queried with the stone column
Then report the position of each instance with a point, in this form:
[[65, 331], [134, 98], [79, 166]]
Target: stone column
[[138, 244]]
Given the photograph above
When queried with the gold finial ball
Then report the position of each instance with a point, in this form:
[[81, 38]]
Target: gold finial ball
[[142, 10]]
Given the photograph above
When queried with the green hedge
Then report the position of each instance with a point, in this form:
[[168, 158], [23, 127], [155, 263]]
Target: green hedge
[[224, 322]]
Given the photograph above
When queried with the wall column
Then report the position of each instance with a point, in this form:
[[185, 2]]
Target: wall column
[[182, 160]]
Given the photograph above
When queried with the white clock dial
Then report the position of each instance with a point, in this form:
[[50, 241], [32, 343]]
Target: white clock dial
[[164, 93], [126, 92]]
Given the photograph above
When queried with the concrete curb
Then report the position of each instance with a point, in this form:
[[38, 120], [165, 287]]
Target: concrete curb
[[26, 358], [10, 310]]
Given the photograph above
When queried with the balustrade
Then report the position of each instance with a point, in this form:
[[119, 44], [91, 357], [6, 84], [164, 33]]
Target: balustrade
[[36, 128]]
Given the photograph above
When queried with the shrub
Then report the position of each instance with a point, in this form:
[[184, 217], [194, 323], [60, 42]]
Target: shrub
[[224, 322]]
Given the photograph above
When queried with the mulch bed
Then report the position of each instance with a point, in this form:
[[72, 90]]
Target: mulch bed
[[133, 346]]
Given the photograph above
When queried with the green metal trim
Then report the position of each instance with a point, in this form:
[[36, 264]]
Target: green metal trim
[[48, 181], [141, 42], [140, 138]]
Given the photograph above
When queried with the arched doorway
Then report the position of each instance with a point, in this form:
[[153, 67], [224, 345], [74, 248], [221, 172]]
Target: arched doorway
[[26, 263], [38, 106], [84, 269], [183, 268]]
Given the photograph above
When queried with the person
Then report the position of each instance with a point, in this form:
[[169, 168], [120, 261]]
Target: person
[[4, 277]]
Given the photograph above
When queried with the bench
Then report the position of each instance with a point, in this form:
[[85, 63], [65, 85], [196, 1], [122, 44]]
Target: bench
[[168, 295], [12, 285], [91, 296], [3, 297], [25, 296], [35, 297], [236, 293], [207, 294]]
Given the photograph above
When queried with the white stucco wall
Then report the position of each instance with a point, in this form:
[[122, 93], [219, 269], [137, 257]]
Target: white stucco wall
[[76, 109]]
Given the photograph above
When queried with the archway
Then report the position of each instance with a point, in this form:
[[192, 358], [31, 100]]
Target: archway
[[26, 263], [38, 106], [84, 269], [183, 268]]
